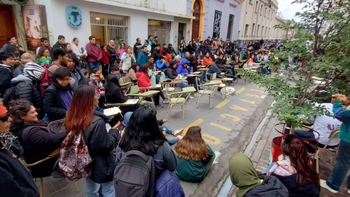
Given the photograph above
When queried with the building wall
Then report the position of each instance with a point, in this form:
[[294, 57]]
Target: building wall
[[258, 14]]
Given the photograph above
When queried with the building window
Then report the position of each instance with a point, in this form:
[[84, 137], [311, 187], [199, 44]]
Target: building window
[[246, 30], [253, 29], [230, 26], [251, 2], [265, 11], [257, 31], [262, 31], [261, 9], [257, 7]]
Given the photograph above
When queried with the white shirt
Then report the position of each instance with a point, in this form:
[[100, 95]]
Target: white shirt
[[77, 50], [324, 125]]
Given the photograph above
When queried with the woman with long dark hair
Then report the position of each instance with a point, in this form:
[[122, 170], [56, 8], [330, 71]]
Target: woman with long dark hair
[[81, 117], [143, 134], [295, 171], [194, 156], [75, 70], [58, 96], [34, 136]]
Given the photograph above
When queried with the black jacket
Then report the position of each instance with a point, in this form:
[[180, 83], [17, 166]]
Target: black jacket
[[27, 90], [171, 50], [113, 56], [38, 143], [15, 179], [271, 186], [53, 105], [101, 144], [156, 55], [137, 49], [57, 45], [113, 92], [171, 73], [5, 78], [189, 49], [309, 189]]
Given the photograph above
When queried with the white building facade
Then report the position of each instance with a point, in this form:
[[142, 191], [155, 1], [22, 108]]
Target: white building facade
[[258, 20], [115, 20]]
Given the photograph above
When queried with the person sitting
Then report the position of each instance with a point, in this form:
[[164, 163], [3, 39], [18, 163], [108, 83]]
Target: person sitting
[[244, 176], [34, 136], [43, 57], [143, 134], [131, 75], [98, 80], [171, 73], [216, 68], [143, 80], [295, 171], [207, 60], [260, 59], [194, 156], [58, 96], [183, 69], [114, 93], [161, 63], [15, 179], [251, 59]]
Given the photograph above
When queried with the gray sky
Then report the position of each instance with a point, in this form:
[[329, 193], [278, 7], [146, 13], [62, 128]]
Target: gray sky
[[287, 9]]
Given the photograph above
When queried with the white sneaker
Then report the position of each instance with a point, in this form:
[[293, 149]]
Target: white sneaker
[[177, 132], [324, 185], [191, 97], [165, 101]]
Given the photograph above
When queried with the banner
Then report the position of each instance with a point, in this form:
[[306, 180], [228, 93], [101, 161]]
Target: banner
[[217, 23]]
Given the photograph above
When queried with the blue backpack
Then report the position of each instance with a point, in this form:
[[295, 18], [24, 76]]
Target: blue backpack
[[168, 184]]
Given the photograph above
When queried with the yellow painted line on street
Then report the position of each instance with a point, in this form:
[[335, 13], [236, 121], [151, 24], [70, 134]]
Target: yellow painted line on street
[[223, 103], [221, 127], [251, 102], [235, 118], [235, 107], [195, 123], [252, 95], [209, 139], [240, 90], [255, 90]]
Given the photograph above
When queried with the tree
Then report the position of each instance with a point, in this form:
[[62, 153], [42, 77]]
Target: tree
[[322, 42]]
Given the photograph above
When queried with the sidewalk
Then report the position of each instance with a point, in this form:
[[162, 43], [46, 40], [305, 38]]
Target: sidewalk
[[260, 157]]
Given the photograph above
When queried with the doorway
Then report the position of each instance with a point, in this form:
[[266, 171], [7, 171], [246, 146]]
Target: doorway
[[230, 26], [7, 23], [181, 32], [196, 21]]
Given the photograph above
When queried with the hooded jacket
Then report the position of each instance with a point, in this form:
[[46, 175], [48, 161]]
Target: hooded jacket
[[38, 143], [270, 186], [142, 58], [181, 70], [114, 93], [6, 75], [170, 73], [160, 65], [57, 45], [27, 90], [143, 80], [137, 49]]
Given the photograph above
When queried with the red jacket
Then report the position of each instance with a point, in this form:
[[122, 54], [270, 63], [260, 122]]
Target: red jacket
[[143, 80], [105, 57], [94, 53]]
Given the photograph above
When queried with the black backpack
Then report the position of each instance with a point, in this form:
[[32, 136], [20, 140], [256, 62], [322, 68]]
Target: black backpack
[[9, 95], [135, 175]]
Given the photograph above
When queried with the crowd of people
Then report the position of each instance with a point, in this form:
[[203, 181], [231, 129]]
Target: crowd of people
[[57, 97]]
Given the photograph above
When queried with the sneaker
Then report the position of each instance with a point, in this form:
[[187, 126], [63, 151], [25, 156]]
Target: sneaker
[[177, 132], [159, 106], [165, 101], [323, 184], [191, 97], [179, 137]]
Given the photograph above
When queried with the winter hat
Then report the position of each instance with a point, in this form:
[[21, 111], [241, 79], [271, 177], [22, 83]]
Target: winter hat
[[33, 71], [3, 110], [127, 117]]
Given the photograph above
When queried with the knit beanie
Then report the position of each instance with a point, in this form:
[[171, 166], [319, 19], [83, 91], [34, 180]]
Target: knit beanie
[[33, 71], [3, 110], [127, 117]]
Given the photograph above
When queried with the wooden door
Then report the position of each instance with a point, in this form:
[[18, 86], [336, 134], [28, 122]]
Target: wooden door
[[195, 22], [6, 23]]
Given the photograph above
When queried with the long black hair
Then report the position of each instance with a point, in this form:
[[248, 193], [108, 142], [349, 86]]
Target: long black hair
[[142, 132]]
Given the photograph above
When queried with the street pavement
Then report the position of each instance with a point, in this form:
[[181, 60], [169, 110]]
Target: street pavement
[[227, 128]]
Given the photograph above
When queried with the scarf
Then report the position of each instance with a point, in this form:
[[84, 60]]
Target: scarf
[[243, 174], [7, 141], [33, 71]]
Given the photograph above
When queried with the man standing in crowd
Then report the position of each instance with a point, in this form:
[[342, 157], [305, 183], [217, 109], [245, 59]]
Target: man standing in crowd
[[94, 53], [6, 69], [156, 53], [44, 43], [154, 44], [61, 43], [26, 57], [12, 42], [142, 58], [137, 47]]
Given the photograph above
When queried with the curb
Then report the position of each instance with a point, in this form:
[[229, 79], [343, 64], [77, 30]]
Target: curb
[[217, 176]]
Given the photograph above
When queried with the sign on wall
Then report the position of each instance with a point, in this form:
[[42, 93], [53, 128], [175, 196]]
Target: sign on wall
[[217, 23], [74, 16], [35, 25]]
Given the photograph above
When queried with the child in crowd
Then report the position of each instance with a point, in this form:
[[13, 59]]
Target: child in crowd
[[86, 73], [194, 156], [105, 60], [43, 57]]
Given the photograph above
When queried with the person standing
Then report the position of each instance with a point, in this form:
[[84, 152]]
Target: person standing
[[44, 43], [137, 47], [6, 71], [61, 43], [113, 53], [142, 58], [80, 52], [94, 53], [15, 178], [127, 59], [12, 42], [105, 60]]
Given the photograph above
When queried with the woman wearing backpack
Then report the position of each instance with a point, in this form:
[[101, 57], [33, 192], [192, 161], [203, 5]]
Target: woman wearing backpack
[[194, 156], [81, 117], [35, 138], [143, 135]]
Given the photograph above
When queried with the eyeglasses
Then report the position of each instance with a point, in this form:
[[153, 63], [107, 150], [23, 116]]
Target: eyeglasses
[[5, 118]]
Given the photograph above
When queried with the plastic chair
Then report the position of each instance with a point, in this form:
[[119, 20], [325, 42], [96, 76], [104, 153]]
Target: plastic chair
[[54, 154], [333, 135]]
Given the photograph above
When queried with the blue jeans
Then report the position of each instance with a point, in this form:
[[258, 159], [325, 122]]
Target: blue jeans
[[269, 167], [181, 54], [171, 140], [341, 167], [94, 65], [182, 84], [204, 73], [307, 135], [92, 188]]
